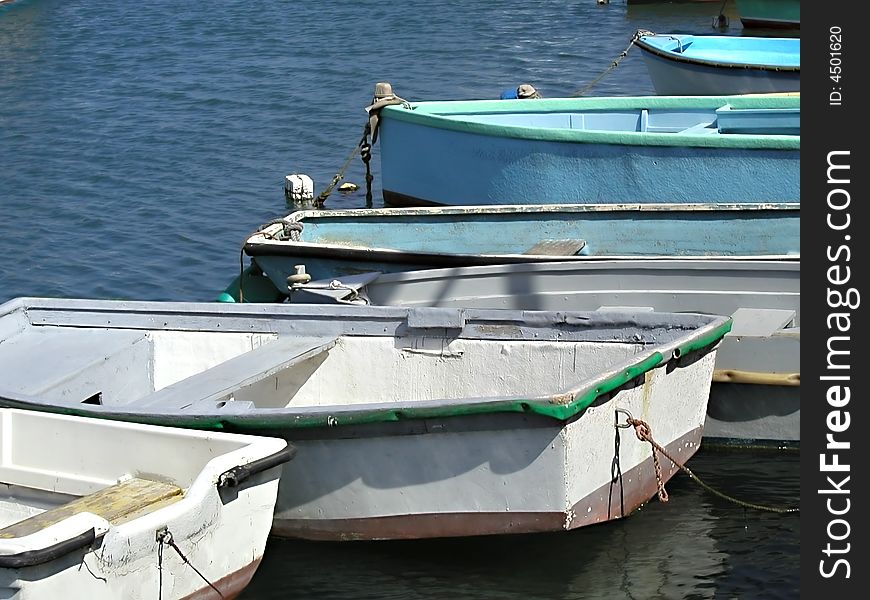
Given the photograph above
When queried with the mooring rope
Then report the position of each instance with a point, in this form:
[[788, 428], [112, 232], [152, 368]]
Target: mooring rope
[[321, 198], [644, 433], [241, 274], [290, 230], [383, 97], [164, 536], [615, 63]]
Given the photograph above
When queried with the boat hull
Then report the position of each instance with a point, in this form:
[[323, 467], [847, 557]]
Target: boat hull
[[480, 476], [584, 151], [639, 485], [755, 398], [753, 416], [404, 416], [66, 581], [55, 492], [785, 14], [670, 77], [339, 243], [464, 169]]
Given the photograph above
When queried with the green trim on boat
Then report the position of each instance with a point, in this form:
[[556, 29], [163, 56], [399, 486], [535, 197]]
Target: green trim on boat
[[431, 114], [708, 339], [258, 289], [578, 404], [554, 408]]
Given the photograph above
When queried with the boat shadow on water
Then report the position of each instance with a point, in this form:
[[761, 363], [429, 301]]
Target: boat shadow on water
[[694, 546]]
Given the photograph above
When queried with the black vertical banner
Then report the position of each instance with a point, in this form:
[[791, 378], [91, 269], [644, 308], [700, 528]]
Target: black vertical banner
[[834, 170]]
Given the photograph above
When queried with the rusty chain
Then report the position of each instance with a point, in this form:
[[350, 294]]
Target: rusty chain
[[644, 433]]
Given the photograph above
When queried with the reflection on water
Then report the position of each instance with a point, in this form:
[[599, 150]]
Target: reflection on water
[[695, 15], [695, 546]]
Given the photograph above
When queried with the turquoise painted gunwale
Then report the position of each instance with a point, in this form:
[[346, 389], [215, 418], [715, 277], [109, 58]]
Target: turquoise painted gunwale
[[427, 114], [551, 408], [328, 232], [686, 56]]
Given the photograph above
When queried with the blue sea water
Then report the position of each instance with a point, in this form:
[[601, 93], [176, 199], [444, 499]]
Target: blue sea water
[[140, 143]]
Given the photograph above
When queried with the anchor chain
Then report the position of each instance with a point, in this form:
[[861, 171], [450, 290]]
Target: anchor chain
[[616, 472], [615, 63], [383, 97], [644, 433], [365, 153]]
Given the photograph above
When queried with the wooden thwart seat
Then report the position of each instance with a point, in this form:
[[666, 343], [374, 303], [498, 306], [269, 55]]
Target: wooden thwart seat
[[115, 503], [557, 248], [246, 369]]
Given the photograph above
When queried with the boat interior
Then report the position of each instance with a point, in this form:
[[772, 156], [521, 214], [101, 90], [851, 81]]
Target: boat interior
[[783, 52], [53, 468], [207, 371], [731, 230], [702, 121]]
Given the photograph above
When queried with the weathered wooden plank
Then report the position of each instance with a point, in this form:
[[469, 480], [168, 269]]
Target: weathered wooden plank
[[557, 248], [238, 372], [113, 503]]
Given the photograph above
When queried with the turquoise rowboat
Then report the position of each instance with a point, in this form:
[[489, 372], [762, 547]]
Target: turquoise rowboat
[[770, 13], [591, 150], [336, 243], [720, 65]]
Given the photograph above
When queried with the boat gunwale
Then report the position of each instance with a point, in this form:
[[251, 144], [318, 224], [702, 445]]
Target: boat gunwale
[[786, 263], [427, 117], [756, 15], [561, 406], [641, 207], [676, 57], [770, 23], [276, 248], [77, 522], [260, 244]]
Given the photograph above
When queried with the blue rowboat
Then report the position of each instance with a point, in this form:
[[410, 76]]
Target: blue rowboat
[[591, 150], [720, 65], [770, 13], [334, 243]]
